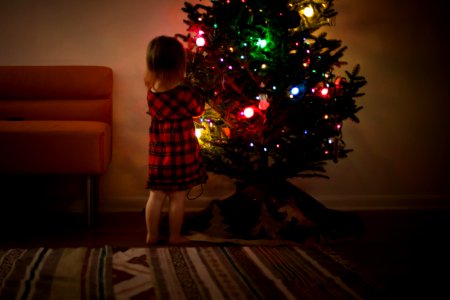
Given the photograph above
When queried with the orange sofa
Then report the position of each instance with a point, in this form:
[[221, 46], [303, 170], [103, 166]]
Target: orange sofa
[[57, 120]]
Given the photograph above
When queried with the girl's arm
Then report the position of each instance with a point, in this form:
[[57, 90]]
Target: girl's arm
[[199, 108], [197, 105]]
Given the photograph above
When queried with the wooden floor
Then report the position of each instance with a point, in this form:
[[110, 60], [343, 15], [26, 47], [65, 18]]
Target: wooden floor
[[406, 252]]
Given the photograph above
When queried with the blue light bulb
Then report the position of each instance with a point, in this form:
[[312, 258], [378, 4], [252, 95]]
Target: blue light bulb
[[295, 90]]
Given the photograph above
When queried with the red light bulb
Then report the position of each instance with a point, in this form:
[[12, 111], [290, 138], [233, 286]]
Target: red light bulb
[[249, 112], [200, 41]]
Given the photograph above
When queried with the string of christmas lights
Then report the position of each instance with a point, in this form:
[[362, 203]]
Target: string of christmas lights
[[275, 102]]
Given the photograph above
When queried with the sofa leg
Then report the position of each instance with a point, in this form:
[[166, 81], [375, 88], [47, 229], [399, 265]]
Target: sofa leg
[[91, 199]]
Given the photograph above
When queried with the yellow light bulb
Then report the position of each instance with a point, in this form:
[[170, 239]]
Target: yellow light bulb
[[198, 132], [308, 11]]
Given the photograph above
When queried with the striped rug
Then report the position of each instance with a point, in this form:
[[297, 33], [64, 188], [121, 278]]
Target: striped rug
[[235, 272], [209, 272], [60, 273]]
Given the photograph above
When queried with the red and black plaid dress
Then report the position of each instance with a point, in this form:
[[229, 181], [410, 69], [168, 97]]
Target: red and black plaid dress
[[174, 159]]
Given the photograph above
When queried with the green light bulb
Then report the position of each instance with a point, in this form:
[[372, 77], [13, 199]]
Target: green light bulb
[[261, 43]]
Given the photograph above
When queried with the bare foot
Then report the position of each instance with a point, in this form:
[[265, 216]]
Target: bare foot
[[151, 240], [179, 240]]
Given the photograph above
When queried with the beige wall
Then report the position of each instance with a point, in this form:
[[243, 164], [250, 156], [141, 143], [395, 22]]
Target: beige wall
[[401, 145]]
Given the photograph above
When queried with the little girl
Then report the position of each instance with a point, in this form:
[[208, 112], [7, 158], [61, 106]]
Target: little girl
[[175, 164]]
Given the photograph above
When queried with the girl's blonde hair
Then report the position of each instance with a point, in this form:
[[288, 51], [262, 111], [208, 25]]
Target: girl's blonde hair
[[166, 60]]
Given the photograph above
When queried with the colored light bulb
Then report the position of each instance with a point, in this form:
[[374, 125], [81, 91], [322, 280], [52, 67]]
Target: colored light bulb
[[200, 41], [198, 132], [261, 43], [249, 112], [308, 11], [294, 91]]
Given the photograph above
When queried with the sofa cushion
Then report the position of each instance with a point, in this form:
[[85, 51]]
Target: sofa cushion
[[56, 93], [55, 82], [54, 147], [56, 109]]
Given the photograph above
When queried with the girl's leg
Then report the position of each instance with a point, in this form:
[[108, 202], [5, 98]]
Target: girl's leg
[[152, 215], [176, 217]]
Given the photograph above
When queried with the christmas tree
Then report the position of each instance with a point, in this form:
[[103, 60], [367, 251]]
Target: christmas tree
[[275, 101], [276, 104]]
